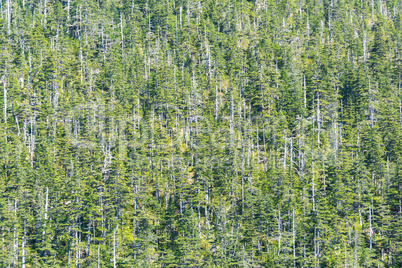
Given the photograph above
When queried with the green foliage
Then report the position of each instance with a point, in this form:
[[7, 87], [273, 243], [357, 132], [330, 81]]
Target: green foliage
[[210, 133]]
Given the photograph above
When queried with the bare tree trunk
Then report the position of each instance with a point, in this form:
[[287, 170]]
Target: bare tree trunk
[[121, 32], [69, 248], [114, 247], [98, 255], [279, 230], [8, 17], [371, 230], [313, 188], [315, 246], [294, 239], [181, 10], [68, 12], [305, 94], [46, 202], [266, 240], [23, 247], [5, 104], [388, 179]]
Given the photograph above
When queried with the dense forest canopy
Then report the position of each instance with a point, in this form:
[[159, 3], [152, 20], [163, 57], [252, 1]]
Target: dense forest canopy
[[200, 133]]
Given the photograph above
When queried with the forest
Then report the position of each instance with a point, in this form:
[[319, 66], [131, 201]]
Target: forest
[[200, 133]]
